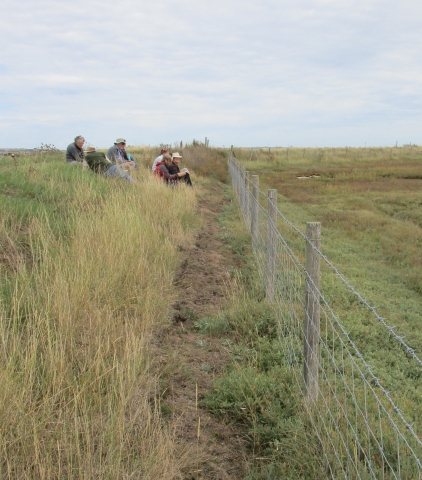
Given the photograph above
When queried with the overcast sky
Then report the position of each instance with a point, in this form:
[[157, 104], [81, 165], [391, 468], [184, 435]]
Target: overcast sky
[[248, 73]]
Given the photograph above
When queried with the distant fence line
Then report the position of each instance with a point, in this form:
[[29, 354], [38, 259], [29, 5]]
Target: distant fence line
[[362, 432]]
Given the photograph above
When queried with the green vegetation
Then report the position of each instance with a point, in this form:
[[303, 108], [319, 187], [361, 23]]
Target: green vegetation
[[258, 391], [369, 203], [86, 270]]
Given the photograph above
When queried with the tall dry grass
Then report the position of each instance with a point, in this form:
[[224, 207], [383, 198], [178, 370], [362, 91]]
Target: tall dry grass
[[202, 161], [78, 395]]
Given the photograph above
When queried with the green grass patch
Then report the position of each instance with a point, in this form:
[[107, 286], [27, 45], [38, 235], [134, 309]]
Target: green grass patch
[[257, 390]]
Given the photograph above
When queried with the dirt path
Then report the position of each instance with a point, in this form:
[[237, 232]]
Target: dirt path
[[201, 288]]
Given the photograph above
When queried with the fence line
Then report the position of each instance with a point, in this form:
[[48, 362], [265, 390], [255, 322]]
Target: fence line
[[362, 431]]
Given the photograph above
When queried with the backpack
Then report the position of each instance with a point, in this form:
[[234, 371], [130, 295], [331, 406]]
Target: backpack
[[158, 171]]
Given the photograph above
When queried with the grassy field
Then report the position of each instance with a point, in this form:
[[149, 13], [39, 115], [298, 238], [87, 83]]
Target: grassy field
[[370, 205], [86, 271]]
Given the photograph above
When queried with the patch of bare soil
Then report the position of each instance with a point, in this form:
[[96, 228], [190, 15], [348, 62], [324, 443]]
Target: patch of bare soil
[[201, 285]]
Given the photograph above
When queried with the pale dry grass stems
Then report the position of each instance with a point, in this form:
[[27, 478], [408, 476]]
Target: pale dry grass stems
[[76, 386]]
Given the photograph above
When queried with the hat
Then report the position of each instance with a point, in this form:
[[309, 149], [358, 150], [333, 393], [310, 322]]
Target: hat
[[176, 155], [90, 149], [120, 140]]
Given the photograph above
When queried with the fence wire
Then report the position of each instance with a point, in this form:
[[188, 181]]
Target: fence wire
[[362, 428]]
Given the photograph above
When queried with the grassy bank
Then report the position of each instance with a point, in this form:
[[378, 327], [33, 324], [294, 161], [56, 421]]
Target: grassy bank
[[86, 269]]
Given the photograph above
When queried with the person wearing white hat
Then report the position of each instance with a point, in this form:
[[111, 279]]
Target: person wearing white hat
[[118, 156], [174, 168]]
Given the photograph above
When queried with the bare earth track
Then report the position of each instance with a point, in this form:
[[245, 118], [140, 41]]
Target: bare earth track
[[201, 285]]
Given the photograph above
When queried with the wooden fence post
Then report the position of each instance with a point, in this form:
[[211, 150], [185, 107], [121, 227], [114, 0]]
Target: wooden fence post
[[271, 245], [242, 189], [255, 200], [312, 312], [247, 200]]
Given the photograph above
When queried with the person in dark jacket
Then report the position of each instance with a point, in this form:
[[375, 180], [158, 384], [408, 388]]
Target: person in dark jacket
[[74, 151], [168, 177], [174, 168], [99, 163]]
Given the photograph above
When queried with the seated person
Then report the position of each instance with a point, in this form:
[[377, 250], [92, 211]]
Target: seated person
[[159, 158], [164, 173], [174, 168], [118, 156], [99, 163], [74, 151]]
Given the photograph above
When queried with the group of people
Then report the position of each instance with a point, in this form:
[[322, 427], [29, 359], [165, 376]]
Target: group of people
[[166, 166], [117, 160], [110, 165]]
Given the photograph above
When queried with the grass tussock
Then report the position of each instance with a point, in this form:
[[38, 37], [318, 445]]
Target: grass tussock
[[86, 277]]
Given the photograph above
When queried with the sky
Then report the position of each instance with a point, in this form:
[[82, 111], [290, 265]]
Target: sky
[[303, 73]]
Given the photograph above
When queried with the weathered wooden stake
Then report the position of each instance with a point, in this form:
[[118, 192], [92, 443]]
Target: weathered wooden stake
[[255, 200], [271, 247], [247, 199], [312, 312]]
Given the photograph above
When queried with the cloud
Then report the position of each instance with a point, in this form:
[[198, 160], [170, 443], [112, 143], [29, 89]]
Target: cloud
[[238, 72]]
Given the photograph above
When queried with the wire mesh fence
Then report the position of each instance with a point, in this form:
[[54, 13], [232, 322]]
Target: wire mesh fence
[[364, 430]]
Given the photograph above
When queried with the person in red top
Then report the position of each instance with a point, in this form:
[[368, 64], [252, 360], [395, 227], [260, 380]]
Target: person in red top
[[164, 170]]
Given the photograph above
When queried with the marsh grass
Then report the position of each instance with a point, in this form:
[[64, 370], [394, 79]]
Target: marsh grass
[[86, 278], [370, 205], [369, 202]]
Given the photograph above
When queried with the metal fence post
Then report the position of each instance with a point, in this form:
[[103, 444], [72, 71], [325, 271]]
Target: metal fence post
[[271, 249], [255, 200], [312, 311]]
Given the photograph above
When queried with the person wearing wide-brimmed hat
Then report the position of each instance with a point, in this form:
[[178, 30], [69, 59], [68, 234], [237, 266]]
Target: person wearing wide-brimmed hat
[[174, 168], [99, 163], [74, 151], [118, 156]]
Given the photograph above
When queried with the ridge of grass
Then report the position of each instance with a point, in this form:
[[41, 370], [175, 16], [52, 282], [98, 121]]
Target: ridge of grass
[[86, 277]]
